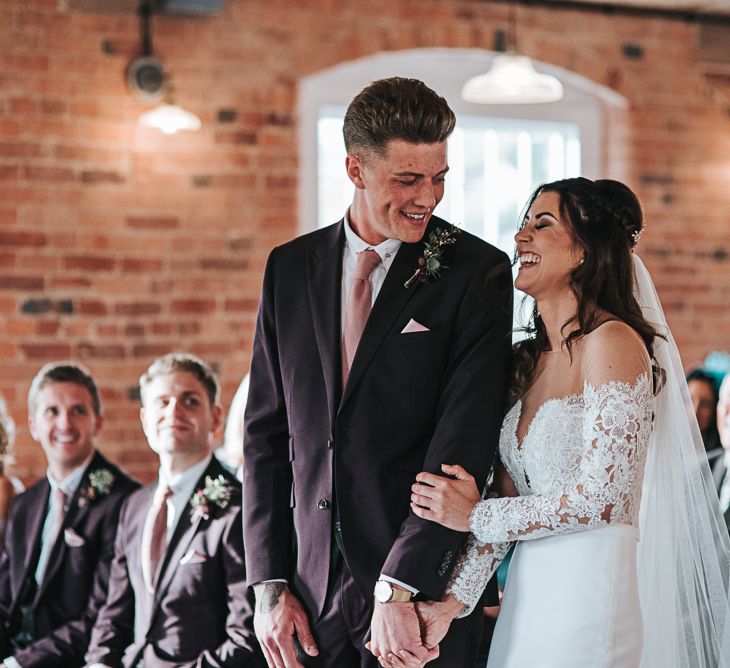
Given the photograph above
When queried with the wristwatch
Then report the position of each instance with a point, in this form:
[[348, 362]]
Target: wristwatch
[[385, 592]]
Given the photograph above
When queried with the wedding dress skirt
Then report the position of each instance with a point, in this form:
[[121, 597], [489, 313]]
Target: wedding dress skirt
[[571, 601]]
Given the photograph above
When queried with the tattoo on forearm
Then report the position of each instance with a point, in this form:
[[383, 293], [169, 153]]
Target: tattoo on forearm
[[267, 595]]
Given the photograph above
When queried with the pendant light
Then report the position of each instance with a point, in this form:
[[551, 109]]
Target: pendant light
[[512, 78], [147, 79]]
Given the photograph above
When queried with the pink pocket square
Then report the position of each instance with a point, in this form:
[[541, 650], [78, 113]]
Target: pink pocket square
[[193, 557], [73, 539], [414, 326]]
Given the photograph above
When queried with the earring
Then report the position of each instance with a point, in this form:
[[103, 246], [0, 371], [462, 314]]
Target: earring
[[582, 260]]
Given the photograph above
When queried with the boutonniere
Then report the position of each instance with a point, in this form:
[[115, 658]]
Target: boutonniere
[[100, 484], [431, 263], [216, 491]]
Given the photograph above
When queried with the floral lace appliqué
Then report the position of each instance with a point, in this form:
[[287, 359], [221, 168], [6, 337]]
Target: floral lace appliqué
[[580, 465]]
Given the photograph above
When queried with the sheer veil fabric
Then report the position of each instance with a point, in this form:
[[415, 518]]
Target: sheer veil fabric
[[684, 551]]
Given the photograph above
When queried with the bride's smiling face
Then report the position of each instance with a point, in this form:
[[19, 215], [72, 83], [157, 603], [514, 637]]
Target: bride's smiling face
[[547, 249]]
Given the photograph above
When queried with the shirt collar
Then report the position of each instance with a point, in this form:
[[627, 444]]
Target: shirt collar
[[71, 482], [181, 482], [355, 244]]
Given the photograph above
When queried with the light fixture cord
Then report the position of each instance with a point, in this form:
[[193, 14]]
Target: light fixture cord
[[145, 16], [512, 27]]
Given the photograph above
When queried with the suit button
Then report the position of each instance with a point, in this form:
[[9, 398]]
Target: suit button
[[330, 444], [323, 504]]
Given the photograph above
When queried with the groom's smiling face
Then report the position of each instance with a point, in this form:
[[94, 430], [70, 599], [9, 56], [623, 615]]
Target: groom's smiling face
[[396, 193]]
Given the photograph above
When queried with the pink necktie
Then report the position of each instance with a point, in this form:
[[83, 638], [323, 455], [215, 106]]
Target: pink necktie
[[357, 310], [154, 540]]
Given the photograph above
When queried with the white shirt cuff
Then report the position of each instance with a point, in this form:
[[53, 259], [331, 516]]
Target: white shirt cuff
[[399, 583], [10, 662], [97, 665]]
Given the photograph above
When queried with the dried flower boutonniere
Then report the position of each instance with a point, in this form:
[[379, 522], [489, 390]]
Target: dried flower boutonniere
[[100, 484], [216, 491], [431, 263]]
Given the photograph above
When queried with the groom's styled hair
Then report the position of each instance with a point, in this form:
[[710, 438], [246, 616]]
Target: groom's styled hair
[[396, 108]]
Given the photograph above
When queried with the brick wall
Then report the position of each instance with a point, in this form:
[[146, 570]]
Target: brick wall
[[118, 243]]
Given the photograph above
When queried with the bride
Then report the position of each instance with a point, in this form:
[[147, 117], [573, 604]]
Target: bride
[[621, 556]]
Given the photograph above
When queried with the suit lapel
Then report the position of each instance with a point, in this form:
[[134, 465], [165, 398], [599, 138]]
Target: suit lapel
[[183, 535], [72, 518], [324, 280], [36, 514], [391, 300]]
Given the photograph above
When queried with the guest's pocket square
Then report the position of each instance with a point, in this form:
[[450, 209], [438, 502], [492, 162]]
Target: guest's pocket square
[[72, 538], [414, 326], [193, 557]]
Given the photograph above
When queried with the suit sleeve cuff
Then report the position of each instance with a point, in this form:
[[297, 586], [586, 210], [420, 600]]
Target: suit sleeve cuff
[[399, 583]]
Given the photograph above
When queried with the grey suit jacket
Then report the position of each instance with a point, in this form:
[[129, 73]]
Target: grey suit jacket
[[200, 613]]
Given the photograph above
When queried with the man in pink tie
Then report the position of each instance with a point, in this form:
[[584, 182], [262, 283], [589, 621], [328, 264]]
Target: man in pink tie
[[382, 348], [58, 545], [177, 591]]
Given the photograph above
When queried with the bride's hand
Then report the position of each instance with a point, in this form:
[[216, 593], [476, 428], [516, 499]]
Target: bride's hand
[[435, 617], [448, 501]]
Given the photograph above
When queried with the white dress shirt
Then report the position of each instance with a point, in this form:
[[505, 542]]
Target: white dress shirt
[[182, 486], [354, 245]]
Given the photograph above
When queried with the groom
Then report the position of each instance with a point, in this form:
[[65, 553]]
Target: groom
[[358, 382]]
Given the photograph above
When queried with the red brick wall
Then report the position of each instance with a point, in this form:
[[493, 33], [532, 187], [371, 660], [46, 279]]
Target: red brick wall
[[118, 243]]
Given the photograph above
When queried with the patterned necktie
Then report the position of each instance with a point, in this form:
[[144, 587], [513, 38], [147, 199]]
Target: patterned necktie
[[154, 538], [357, 310]]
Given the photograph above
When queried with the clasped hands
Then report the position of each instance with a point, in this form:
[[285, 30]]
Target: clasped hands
[[405, 635]]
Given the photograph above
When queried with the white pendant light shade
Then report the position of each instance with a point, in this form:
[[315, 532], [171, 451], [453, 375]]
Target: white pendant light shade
[[170, 118], [512, 80]]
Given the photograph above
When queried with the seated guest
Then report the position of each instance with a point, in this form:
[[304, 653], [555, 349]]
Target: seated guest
[[703, 392], [177, 592], [60, 533], [9, 485], [721, 468]]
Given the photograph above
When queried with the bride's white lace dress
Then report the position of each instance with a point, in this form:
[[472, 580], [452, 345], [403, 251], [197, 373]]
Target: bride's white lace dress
[[571, 597]]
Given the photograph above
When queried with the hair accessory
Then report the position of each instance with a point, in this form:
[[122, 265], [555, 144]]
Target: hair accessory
[[636, 234]]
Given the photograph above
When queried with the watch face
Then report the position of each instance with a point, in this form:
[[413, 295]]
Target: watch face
[[383, 591]]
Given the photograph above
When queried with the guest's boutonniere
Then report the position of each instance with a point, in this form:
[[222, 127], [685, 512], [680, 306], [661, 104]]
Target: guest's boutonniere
[[431, 263], [100, 484], [216, 491]]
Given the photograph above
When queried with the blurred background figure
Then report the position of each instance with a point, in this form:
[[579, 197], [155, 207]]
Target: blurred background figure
[[9, 485], [231, 452], [704, 393], [722, 464]]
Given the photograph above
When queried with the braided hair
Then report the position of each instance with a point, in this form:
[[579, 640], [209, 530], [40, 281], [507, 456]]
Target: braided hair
[[606, 219]]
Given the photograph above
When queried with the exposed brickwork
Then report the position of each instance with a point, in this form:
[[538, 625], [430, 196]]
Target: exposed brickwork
[[118, 243]]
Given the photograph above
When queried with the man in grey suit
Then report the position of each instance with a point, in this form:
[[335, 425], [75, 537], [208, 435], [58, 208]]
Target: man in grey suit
[[177, 589]]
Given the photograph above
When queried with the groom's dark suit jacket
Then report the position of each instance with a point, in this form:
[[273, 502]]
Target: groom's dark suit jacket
[[200, 613], [74, 586], [413, 401]]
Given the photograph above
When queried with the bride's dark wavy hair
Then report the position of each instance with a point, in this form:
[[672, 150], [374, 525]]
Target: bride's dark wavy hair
[[605, 218]]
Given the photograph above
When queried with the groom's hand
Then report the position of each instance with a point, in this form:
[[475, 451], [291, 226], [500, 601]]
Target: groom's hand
[[395, 627], [278, 617]]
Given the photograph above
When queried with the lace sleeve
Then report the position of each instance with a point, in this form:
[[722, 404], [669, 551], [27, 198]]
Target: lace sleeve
[[607, 484], [475, 566]]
